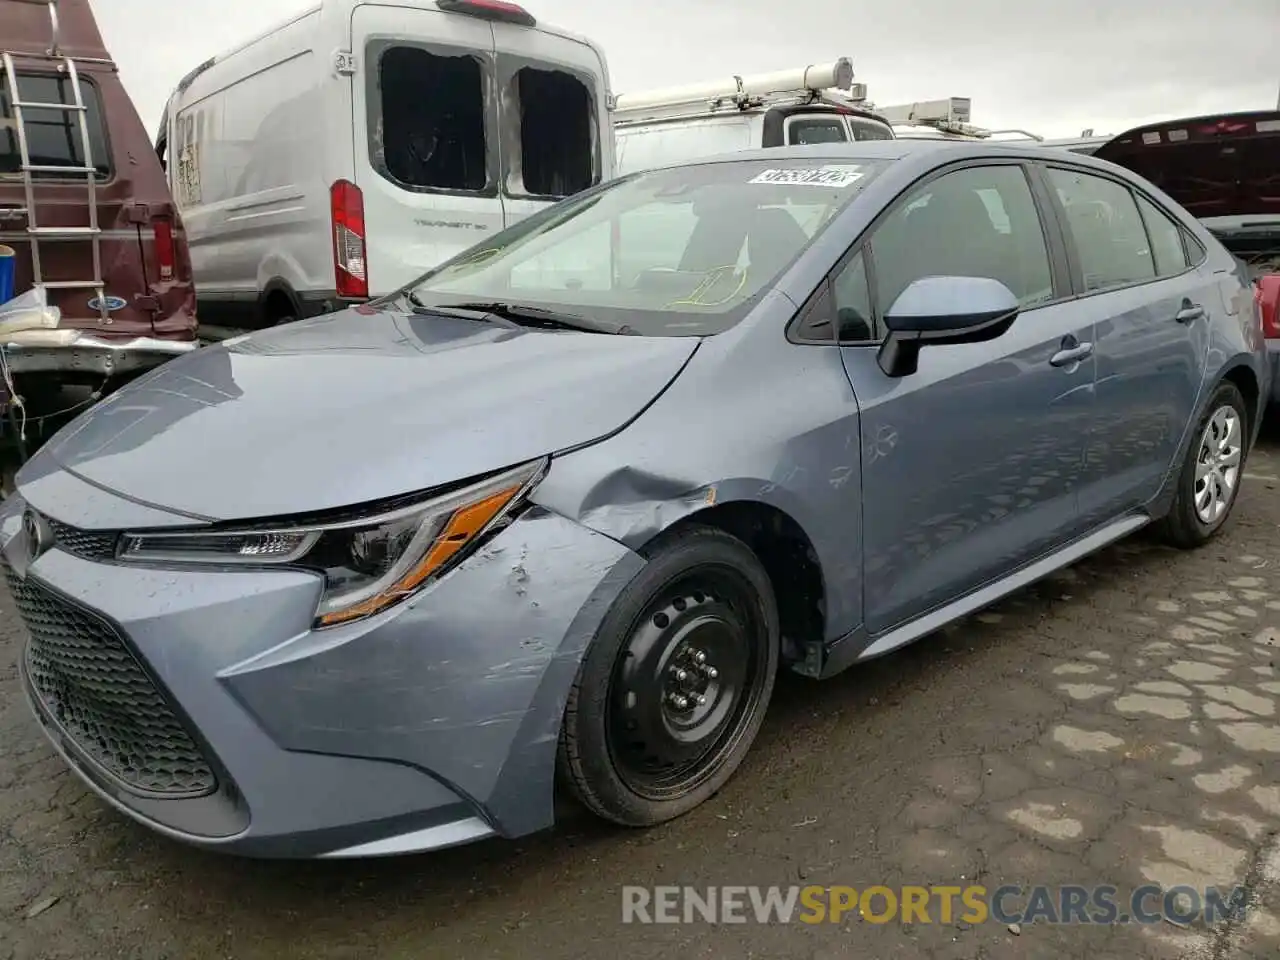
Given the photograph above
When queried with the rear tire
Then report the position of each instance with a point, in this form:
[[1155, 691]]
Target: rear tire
[[1209, 481], [672, 691]]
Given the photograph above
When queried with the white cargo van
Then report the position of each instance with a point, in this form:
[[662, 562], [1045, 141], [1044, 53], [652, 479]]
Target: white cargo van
[[346, 151], [813, 104]]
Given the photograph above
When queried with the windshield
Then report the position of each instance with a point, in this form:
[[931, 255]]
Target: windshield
[[685, 251]]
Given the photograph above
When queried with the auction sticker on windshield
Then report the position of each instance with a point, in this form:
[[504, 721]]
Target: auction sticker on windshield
[[816, 178]]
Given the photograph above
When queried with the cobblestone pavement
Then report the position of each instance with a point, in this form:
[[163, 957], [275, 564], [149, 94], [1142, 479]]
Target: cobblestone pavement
[[1114, 725]]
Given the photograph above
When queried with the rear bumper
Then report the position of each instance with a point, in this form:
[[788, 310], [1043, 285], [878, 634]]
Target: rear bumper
[[90, 354]]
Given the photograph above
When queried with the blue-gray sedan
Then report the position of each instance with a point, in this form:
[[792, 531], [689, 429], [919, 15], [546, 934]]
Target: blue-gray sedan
[[365, 584]]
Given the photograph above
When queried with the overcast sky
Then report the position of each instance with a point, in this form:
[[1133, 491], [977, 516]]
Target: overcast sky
[[1052, 66]]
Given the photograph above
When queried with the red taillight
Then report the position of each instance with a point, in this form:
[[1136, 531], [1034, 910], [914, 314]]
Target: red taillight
[[165, 253], [347, 210], [1268, 297], [490, 10]]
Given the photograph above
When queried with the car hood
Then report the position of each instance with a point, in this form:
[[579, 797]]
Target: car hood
[[356, 407], [1216, 167]]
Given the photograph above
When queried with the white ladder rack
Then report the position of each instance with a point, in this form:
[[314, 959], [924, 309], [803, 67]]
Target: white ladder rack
[[65, 66]]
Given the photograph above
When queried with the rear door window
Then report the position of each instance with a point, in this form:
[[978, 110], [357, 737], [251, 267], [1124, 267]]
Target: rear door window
[[550, 131], [1109, 235], [53, 136], [429, 121]]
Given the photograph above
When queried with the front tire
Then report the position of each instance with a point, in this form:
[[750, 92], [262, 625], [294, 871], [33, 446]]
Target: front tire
[[1209, 482], [673, 689]]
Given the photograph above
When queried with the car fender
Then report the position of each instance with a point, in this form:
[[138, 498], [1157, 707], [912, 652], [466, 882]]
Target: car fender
[[801, 456]]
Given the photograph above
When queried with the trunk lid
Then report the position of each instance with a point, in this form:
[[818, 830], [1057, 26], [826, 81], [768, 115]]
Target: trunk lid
[[1224, 170]]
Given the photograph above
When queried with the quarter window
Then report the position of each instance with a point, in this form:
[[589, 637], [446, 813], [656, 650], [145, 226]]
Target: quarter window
[[975, 222], [855, 321], [1109, 235], [1166, 239]]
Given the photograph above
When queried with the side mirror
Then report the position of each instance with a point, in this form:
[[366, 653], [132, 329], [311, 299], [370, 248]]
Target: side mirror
[[934, 311]]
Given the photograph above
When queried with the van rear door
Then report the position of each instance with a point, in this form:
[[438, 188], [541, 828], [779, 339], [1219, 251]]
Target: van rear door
[[62, 201], [556, 135], [426, 138]]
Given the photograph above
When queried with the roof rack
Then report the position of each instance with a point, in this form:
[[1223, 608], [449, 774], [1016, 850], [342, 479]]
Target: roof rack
[[811, 83], [949, 118]]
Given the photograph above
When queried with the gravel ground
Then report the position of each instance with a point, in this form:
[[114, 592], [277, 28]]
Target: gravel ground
[[1116, 724]]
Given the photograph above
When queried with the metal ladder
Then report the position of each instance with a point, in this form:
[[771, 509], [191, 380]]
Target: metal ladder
[[66, 66]]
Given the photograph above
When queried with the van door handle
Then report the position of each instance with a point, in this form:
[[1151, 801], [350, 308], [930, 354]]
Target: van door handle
[[1070, 355], [1189, 312]]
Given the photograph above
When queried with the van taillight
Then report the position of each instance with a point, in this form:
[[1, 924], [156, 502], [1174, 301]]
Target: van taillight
[[347, 210], [165, 256]]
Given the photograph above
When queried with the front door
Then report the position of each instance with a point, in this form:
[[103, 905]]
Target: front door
[[971, 464], [1151, 306]]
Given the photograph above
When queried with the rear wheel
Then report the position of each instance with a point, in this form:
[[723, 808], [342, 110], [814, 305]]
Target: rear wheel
[[673, 690], [1209, 482]]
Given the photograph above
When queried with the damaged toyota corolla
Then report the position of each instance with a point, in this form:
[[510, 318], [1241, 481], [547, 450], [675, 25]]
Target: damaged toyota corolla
[[560, 510]]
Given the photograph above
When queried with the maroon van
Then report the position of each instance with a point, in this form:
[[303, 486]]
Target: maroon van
[[85, 206]]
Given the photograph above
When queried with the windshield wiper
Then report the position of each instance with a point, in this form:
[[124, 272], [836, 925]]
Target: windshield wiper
[[524, 314], [465, 313]]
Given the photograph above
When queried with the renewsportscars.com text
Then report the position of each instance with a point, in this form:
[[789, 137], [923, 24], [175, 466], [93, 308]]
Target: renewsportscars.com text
[[971, 904]]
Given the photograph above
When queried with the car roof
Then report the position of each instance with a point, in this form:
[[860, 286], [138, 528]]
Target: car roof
[[891, 151]]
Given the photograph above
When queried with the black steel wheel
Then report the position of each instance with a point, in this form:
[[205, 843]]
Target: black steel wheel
[[672, 692]]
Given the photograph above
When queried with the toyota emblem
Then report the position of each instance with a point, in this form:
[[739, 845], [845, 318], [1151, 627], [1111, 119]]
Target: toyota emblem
[[37, 541]]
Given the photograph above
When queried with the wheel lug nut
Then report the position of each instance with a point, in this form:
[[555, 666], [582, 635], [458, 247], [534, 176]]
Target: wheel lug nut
[[710, 672], [680, 675], [699, 657], [701, 700], [679, 702]]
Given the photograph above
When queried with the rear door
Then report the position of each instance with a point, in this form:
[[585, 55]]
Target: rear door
[[62, 201], [426, 138], [1144, 282], [556, 138]]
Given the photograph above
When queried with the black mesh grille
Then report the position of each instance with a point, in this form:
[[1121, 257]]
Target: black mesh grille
[[89, 544], [88, 680]]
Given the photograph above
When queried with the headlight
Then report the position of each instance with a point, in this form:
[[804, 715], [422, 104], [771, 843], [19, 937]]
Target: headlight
[[368, 563]]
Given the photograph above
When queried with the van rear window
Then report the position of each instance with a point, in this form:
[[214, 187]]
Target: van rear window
[[819, 129], [557, 136], [430, 134], [53, 136]]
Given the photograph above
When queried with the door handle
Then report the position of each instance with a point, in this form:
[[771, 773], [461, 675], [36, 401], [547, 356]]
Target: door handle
[[1070, 355], [1189, 312]]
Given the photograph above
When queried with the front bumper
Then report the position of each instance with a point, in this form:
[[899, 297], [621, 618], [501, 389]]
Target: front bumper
[[201, 703]]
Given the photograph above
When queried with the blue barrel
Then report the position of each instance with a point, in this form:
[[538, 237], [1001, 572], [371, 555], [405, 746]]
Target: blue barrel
[[8, 267]]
